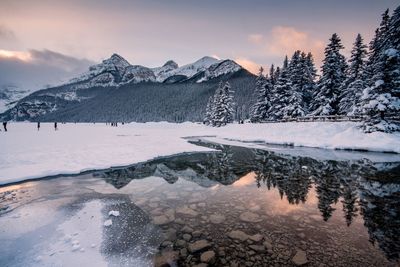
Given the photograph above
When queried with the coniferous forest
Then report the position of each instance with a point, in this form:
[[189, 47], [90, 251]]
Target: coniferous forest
[[366, 85]]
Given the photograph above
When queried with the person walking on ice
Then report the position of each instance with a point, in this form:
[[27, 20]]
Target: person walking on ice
[[38, 125], [5, 126], [55, 126]]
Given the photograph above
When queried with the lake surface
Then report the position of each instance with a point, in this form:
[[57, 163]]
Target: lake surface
[[233, 207]]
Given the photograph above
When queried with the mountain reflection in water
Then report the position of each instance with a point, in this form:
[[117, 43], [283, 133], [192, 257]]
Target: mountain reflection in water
[[361, 188]]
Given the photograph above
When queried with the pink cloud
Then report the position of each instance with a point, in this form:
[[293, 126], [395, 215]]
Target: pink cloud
[[248, 64], [284, 40]]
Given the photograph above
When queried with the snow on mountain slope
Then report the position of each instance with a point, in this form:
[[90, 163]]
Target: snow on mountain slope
[[113, 71], [138, 74], [218, 69], [188, 70], [116, 71], [163, 72], [9, 95]]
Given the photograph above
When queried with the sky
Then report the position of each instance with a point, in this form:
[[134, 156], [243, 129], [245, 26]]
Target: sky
[[46, 42]]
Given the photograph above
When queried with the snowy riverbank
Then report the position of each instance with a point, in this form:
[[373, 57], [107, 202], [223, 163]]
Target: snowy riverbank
[[27, 153]]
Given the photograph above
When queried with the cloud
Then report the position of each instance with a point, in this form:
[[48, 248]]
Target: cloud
[[248, 64], [282, 40], [255, 38], [36, 69]]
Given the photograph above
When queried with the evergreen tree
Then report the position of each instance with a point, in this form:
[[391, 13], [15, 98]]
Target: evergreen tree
[[272, 77], [277, 74], [377, 44], [326, 98], [381, 100], [355, 81], [259, 111], [222, 112], [209, 109], [281, 93], [293, 94], [309, 76]]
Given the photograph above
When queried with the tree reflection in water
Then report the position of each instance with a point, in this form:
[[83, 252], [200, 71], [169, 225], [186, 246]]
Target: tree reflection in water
[[363, 188]]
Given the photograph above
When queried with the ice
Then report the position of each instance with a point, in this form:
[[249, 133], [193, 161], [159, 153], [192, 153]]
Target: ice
[[27, 153], [108, 222], [114, 213]]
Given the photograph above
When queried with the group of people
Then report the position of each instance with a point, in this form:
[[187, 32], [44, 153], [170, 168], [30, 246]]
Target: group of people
[[38, 126], [114, 124]]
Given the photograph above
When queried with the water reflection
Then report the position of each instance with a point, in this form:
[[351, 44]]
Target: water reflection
[[354, 188]]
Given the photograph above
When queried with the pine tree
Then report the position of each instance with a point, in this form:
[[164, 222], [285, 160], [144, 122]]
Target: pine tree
[[281, 93], [259, 111], [381, 100], [326, 98], [222, 112], [293, 94], [272, 77], [309, 76], [208, 116], [355, 81]]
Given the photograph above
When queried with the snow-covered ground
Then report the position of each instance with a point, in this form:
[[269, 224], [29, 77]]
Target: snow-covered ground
[[27, 153]]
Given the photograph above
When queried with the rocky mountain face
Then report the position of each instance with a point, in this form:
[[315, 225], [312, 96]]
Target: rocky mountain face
[[117, 90], [9, 96]]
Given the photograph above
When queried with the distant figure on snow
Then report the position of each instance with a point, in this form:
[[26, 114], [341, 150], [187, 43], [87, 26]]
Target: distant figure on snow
[[5, 126], [38, 125], [55, 126]]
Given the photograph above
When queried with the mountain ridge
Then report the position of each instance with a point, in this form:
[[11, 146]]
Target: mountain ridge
[[107, 91]]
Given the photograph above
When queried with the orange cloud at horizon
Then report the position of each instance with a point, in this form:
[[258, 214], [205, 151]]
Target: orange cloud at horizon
[[20, 55], [248, 64]]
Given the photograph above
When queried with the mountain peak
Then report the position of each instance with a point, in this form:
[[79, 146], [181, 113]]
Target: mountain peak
[[207, 60], [171, 63], [117, 60]]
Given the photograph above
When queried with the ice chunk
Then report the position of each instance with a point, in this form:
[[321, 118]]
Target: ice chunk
[[113, 213]]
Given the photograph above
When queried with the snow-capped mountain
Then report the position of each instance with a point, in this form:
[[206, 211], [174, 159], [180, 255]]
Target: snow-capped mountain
[[135, 92], [113, 71], [9, 96], [116, 71]]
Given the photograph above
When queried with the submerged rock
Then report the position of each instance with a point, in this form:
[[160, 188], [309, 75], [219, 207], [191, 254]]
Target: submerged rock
[[217, 218], [185, 210], [208, 257], [250, 217], [239, 235], [199, 245], [300, 258]]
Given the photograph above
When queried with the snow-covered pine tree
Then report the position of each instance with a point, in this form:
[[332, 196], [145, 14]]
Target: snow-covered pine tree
[[259, 111], [272, 77], [376, 46], [281, 93], [355, 81], [308, 78], [277, 74], [381, 100], [223, 105], [326, 98], [209, 109], [293, 89]]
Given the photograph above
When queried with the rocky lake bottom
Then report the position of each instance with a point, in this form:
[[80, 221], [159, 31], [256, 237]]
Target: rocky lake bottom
[[233, 207]]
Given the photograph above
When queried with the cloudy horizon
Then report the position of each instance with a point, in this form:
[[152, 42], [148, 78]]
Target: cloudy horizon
[[45, 42]]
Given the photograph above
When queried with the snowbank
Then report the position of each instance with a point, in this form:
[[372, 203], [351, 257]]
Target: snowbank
[[27, 153]]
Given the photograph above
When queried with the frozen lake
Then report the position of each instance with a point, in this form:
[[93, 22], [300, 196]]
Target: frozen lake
[[236, 207]]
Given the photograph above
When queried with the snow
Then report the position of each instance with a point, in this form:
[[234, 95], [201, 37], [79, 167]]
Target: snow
[[76, 239], [27, 153], [108, 222], [188, 70], [114, 213]]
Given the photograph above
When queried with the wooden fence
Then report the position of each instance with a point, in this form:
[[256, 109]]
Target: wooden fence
[[331, 118]]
